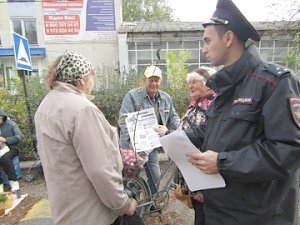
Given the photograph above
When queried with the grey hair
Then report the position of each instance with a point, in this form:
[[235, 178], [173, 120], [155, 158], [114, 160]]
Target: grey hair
[[203, 73], [195, 76]]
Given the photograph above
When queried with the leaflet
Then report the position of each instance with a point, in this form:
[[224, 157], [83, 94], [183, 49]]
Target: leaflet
[[140, 126]]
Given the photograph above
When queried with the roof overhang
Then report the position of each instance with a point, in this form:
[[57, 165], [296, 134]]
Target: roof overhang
[[33, 51]]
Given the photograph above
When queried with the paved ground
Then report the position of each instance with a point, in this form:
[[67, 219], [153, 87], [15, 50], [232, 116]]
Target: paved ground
[[40, 212]]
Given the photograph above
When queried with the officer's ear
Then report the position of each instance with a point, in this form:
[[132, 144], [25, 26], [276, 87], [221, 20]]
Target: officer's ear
[[228, 37]]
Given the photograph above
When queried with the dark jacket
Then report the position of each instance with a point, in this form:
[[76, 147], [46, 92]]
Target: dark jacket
[[251, 125], [10, 131]]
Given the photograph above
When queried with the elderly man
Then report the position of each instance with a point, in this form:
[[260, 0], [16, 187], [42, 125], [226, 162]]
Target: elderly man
[[251, 136], [143, 98]]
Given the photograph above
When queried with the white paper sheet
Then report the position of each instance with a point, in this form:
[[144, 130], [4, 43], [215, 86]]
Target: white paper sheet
[[176, 145], [141, 129]]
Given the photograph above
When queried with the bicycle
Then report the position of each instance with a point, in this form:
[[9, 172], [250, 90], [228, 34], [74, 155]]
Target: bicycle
[[142, 193]]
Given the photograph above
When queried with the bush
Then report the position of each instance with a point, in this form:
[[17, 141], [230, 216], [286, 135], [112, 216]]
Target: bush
[[110, 88], [13, 102]]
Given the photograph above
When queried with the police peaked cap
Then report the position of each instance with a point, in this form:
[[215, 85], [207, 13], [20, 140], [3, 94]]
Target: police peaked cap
[[229, 15]]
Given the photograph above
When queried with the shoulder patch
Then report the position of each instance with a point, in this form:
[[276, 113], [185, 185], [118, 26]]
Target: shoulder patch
[[295, 109], [276, 69]]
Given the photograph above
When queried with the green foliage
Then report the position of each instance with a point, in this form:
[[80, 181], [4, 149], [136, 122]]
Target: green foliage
[[293, 59], [36, 91], [147, 10], [109, 95], [13, 102], [177, 69], [3, 197], [110, 89], [176, 74]]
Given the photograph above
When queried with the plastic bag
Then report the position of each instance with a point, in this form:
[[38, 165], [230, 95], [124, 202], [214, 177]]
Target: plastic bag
[[132, 162], [4, 150]]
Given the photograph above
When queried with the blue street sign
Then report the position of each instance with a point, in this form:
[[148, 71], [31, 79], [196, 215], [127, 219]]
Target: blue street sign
[[22, 52]]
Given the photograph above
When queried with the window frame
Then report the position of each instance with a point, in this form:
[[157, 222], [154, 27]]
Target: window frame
[[31, 41]]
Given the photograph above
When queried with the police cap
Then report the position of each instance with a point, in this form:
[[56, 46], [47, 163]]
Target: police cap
[[229, 15]]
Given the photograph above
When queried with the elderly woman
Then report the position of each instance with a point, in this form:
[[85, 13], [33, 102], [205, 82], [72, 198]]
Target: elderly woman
[[79, 149], [201, 97]]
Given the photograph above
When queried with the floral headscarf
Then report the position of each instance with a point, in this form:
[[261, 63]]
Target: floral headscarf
[[72, 67]]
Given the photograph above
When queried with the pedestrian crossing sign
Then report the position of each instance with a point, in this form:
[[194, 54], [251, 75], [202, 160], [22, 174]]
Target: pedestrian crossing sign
[[22, 52]]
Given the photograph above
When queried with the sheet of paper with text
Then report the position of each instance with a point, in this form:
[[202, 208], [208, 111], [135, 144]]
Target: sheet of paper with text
[[176, 145], [140, 128]]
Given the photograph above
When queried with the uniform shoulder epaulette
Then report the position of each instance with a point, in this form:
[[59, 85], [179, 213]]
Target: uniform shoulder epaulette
[[276, 69]]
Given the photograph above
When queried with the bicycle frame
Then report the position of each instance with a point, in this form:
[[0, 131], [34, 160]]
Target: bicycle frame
[[143, 195]]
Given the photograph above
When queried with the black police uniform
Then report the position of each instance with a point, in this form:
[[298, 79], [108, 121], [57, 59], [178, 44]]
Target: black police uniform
[[254, 125], [255, 129]]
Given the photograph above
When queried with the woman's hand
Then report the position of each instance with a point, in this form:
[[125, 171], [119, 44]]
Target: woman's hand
[[132, 208]]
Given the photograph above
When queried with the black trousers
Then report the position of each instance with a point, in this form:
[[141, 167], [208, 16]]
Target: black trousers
[[129, 220], [117, 221], [199, 213], [7, 165]]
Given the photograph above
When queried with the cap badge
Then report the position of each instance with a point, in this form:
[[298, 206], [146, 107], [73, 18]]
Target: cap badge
[[219, 20]]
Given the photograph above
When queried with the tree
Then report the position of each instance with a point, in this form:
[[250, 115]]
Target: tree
[[176, 75], [292, 58], [289, 11], [147, 10]]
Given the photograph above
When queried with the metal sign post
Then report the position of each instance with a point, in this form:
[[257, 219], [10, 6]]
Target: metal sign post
[[23, 64]]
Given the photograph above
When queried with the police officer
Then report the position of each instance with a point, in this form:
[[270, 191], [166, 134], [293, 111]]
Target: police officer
[[252, 134]]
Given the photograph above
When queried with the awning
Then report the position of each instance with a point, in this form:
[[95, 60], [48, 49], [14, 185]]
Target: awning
[[33, 51]]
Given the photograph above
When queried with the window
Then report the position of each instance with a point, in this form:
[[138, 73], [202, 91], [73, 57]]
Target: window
[[175, 45], [191, 44], [26, 28]]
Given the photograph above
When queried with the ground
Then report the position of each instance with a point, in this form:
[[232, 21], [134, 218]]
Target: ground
[[36, 190], [174, 214]]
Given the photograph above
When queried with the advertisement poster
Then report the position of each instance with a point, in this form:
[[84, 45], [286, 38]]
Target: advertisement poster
[[79, 20]]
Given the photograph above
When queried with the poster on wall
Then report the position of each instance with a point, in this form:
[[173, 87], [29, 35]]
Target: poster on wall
[[79, 20]]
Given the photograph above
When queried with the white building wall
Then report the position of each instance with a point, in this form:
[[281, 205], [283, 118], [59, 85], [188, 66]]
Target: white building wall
[[123, 53], [100, 52]]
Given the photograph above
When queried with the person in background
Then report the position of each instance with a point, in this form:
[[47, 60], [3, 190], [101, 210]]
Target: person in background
[[79, 149], [143, 98], [10, 136], [201, 97], [251, 135]]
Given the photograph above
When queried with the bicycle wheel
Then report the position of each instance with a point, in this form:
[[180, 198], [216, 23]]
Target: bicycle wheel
[[141, 191]]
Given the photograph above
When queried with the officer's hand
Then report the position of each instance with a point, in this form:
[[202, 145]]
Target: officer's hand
[[205, 161], [132, 208], [2, 139]]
